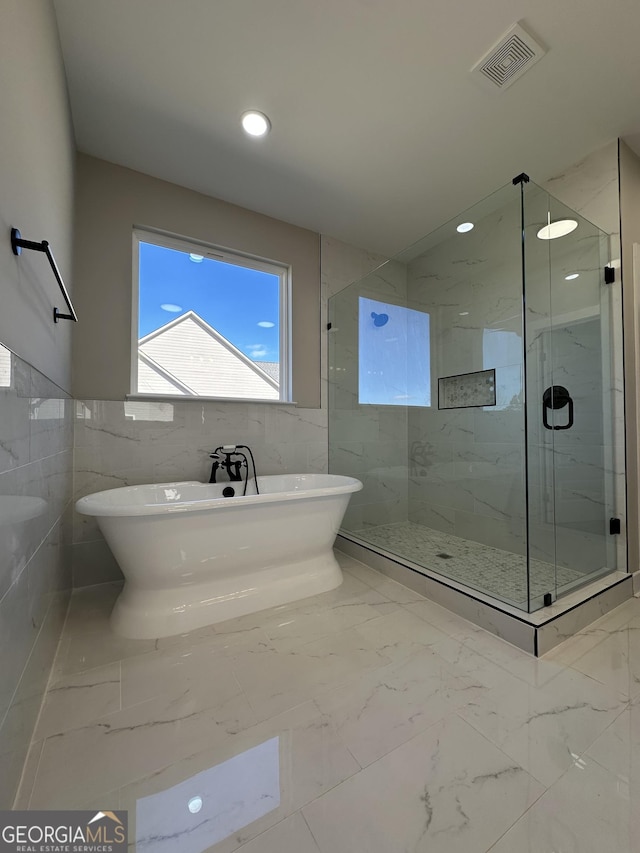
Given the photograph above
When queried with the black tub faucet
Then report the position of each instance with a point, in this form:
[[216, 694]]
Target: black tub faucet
[[222, 459], [231, 459]]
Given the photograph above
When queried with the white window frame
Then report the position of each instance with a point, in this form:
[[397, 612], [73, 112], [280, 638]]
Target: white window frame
[[229, 256]]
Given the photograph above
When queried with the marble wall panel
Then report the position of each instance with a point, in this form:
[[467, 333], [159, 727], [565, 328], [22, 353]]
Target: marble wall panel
[[36, 429], [365, 441], [591, 188], [467, 463], [127, 443]]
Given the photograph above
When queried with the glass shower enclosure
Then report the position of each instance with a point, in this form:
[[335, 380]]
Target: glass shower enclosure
[[475, 388]]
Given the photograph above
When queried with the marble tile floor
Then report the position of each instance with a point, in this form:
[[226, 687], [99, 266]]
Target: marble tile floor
[[364, 720], [493, 571]]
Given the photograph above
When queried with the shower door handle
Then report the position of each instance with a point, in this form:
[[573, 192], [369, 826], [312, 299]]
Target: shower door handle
[[556, 397]]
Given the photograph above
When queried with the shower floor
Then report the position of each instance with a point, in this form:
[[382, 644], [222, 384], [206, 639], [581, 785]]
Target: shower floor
[[498, 573]]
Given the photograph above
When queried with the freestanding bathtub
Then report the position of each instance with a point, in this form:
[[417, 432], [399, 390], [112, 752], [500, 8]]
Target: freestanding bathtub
[[191, 557]]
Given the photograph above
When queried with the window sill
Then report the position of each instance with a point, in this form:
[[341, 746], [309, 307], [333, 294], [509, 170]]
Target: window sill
[[169, 398]]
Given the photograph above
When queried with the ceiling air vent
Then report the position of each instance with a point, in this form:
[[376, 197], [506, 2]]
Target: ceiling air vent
[[509, 59]]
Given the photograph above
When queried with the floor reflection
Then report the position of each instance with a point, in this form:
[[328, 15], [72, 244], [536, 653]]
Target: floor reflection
[[210, 806]]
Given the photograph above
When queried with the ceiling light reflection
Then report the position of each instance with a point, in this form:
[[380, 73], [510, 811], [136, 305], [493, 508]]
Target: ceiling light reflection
[[559, 228]]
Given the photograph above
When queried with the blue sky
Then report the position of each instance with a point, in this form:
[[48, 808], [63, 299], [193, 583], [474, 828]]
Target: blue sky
[[234, 300]]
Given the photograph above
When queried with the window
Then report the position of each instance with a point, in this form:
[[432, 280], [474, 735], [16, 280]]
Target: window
[[5, 367], [502, 350], [208, 322], [394, 355]]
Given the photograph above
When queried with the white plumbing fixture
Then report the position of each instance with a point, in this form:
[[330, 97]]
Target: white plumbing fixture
[[192, 557]]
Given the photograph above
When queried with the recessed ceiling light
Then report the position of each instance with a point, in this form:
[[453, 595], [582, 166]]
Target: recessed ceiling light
[[559, 228], [197, 259], [194, 805], [255, 123], [266, 324], [464, 227], [169, 306], [571, 276]]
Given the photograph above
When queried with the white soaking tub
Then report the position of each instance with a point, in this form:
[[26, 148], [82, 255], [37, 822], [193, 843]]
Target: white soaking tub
[[191, 557]]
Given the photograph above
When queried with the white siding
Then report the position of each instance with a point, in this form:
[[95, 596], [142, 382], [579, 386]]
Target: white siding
[[5, 367], [152, 382], [195, 357]]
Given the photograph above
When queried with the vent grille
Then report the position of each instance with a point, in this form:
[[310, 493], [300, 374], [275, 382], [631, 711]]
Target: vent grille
[[508, 60]]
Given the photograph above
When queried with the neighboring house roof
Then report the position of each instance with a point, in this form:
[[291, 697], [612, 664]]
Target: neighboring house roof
[[156, 379], [188, 356], [271, 368]]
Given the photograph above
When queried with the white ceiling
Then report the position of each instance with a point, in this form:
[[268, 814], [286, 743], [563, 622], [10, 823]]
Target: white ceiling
[[379, 133]]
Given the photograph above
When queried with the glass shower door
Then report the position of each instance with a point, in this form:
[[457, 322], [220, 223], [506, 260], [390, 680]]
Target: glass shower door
[[572, 371]]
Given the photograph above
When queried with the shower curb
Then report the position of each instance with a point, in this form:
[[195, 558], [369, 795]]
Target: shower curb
[[536, 633]]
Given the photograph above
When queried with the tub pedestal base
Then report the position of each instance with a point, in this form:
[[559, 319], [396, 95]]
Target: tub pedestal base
[[147, 614]]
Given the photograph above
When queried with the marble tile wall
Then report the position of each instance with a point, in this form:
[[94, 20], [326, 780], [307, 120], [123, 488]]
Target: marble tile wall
[[341, 265], [126, 443], [467, 464], [578, 474], [36, 439], [365, 441], [591, 188]]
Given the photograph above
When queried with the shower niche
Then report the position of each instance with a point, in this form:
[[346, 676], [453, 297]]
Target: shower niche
[[476, 389]]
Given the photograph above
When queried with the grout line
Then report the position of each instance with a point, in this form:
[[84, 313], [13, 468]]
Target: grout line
[[304, 818], [46, 688], [506, 754], [525, 812], [553, 784], [59, 519], [35, 773], [33, 645], [19, 790]]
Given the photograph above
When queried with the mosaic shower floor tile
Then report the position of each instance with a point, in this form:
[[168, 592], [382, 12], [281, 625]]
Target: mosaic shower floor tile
[[490, 570]]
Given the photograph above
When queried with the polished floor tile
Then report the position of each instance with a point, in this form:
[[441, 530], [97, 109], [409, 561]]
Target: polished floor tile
[[131, 743], [589, 810], [77, 700], [391, 705], [448, 790], [618, 747], [291, 834], [365, 719], [543, 728], [244, 785], [201, 675], [615, 660]]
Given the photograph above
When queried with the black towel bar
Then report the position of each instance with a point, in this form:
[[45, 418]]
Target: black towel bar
[[18, 244]]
